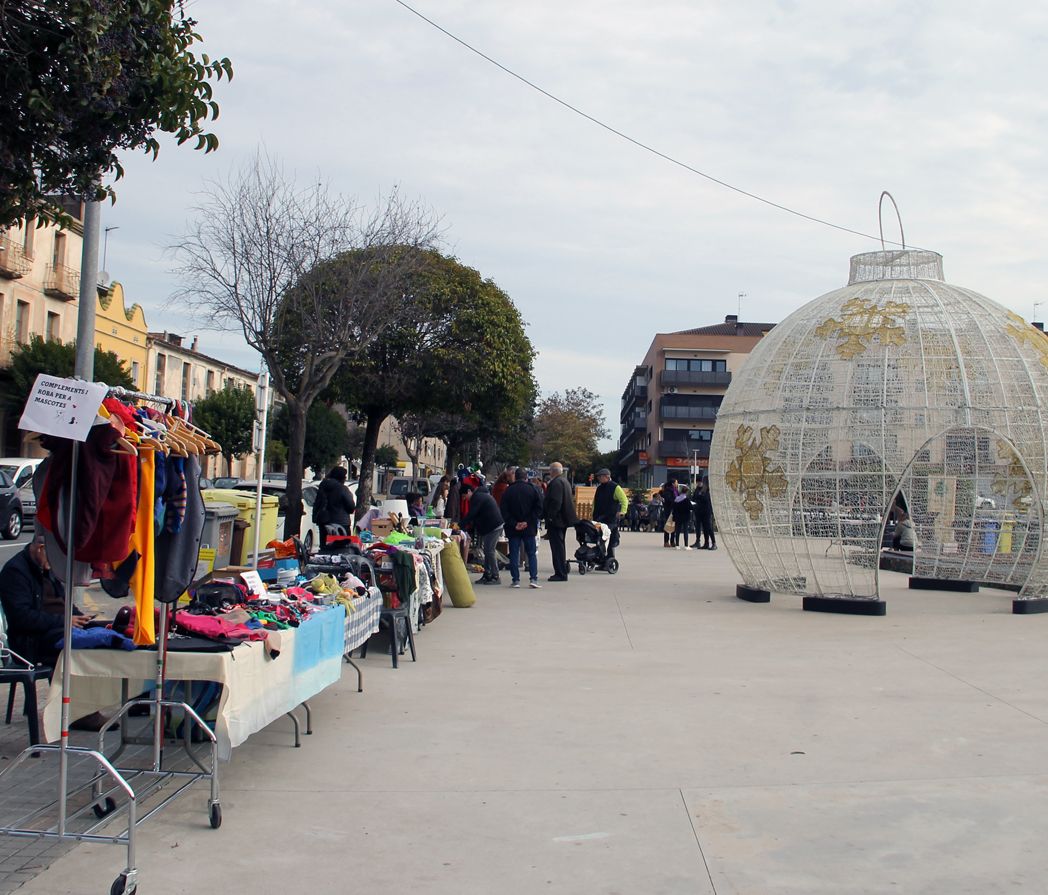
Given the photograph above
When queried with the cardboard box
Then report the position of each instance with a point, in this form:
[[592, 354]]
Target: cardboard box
[[381, 527]]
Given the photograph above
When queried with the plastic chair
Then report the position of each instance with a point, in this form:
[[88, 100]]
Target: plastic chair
[[392, 618], [26, 674]]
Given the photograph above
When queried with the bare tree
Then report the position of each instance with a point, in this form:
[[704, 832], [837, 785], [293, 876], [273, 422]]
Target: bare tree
[[308, 277]]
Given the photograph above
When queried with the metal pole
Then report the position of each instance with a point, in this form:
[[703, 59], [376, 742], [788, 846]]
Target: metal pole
[[67, 643], [84, 369], [85, 319], [262, 406]]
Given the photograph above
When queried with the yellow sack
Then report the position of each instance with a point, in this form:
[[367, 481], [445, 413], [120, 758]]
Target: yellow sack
[[456, 578]]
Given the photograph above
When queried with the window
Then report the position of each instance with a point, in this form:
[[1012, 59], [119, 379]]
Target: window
[[187, 380], [210, 384], [161, 371], [22, 321], [58, 258], [134, 372], [696, 365], [53, 332], [29, 236], [688, 435]]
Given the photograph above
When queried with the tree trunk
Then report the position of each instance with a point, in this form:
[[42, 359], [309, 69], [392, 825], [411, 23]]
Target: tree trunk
[[367, 458], [296, 413]]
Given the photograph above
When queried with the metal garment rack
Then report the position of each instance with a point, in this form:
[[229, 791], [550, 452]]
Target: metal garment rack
[[111, 781]]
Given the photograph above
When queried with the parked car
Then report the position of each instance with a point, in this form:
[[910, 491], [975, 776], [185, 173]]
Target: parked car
[[309, 532], [20, 470], [226, 481], [10, 508]]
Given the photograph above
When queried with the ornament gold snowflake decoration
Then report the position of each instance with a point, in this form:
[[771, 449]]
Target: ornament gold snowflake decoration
[[897, 390]]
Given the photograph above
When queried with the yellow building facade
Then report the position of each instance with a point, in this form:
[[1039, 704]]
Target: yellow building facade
[[123, 331]]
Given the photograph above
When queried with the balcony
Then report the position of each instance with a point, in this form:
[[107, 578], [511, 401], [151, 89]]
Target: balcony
[[684, 449], [720, 379], [62, 282], [13, 261], [682, 412], [631, 396]]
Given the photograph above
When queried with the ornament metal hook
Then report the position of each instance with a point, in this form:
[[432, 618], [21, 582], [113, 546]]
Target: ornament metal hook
[[880, 221]]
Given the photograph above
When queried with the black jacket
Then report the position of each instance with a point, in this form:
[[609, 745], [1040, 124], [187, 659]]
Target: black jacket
[[605, 506], [703, 506], [32, 631], [334, 505], [522, 502], [681, 510], [483, 513], [558, 509]]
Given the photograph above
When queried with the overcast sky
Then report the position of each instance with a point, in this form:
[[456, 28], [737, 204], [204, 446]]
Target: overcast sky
[[818, 106]]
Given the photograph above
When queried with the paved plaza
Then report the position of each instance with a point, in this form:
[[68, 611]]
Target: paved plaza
[[647, 734]]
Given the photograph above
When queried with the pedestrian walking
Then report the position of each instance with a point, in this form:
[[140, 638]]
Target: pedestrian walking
[[486, 521], [669, 496], [681, 518], [521, 508], [334, 504], [704, 516], [609, 505], [558, 509]]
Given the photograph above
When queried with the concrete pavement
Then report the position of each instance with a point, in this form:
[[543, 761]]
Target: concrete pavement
[[643, 733]]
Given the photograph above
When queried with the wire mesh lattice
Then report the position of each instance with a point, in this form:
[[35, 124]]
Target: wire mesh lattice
[[896, 383]]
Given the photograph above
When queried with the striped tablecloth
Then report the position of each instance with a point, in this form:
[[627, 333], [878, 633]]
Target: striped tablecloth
[[363, 621]]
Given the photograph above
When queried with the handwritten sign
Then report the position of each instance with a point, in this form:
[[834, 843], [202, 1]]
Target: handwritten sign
[[63, 407], [254, 583]]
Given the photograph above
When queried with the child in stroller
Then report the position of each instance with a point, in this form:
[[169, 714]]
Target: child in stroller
[[593, 548]]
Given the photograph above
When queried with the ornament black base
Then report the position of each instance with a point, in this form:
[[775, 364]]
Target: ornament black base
[[845, 606], [962, 587], [1029, 607], [752, 594]]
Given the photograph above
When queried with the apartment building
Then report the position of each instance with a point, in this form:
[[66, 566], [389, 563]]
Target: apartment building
[[669, 405], [39, 281]]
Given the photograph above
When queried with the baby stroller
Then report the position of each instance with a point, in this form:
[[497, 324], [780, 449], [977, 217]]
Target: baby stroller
[[593, 548]]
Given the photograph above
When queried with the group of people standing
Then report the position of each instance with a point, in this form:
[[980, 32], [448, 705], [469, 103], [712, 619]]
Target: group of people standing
[[675, 508]]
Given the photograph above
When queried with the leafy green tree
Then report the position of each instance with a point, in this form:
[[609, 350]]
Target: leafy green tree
[[228, 416], [568, 427], [308, 278], [458, 358], [327, 436], [55, 359], [608, 460], [85, 79], [386, 456]]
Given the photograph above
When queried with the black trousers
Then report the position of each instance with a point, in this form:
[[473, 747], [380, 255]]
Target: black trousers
[[708, 537], [557, 550]]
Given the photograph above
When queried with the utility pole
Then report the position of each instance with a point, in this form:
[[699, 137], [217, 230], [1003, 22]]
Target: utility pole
[[85, 314]]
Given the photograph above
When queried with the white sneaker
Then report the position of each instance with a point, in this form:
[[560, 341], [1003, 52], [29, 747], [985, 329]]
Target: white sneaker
[[687, 548], [534, 585], [677, 547]]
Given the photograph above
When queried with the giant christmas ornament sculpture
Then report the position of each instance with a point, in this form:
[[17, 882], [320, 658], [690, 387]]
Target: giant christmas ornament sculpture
[[898, 389]]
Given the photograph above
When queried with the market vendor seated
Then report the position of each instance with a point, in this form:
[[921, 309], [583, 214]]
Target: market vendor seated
[[34, 604], [416, 508]]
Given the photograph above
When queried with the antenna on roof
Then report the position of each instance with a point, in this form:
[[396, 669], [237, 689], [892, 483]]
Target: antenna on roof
[[742, 295]]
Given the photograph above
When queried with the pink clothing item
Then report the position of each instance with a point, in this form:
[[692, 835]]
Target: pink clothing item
[[214, 627]]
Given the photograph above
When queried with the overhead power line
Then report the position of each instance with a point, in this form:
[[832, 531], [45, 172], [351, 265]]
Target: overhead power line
[[638, 143]]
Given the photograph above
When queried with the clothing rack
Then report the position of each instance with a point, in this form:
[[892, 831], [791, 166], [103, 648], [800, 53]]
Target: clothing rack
[[120, 780]]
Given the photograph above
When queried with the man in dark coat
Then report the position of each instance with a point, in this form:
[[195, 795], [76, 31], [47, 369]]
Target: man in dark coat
[[486, 521], [609, 505], [521, 510], [558, 509], [704, 516], [34, 604], [334, 504]]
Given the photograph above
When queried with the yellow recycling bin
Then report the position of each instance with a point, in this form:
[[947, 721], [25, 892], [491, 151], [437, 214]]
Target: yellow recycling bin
[[244, 501], [1004, 542]]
